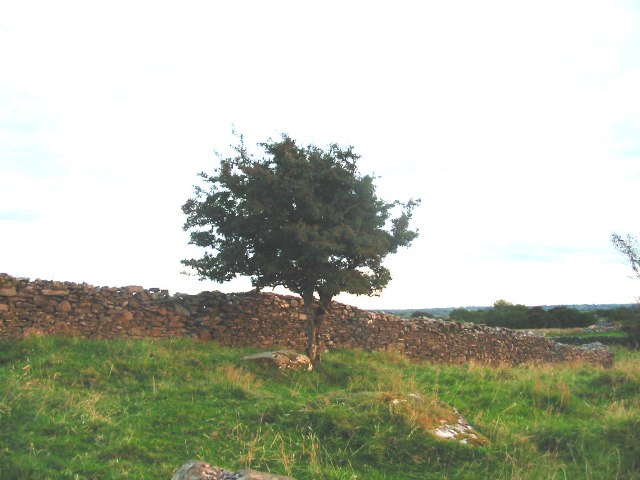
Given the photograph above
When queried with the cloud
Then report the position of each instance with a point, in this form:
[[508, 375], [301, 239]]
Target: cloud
[[530, 252], [626, 138], [17, 216], [26, 126], [515, 123]]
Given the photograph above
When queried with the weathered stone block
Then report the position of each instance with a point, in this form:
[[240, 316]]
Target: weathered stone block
[[180, 310], [137, 332], [281, 359], [204, 335], [33, 332], [64, 307], [194, 470], [8, 292], [54, 292]]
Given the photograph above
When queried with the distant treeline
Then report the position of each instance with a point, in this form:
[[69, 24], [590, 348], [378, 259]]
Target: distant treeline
[[505, 314], [621, 315], [601, 309]]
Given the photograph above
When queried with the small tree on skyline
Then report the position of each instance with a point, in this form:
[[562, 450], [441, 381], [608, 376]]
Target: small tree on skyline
[[299, 217], [631, 250]]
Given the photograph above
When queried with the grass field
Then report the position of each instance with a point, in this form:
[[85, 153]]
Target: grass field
[[579, 333], [85, 409]]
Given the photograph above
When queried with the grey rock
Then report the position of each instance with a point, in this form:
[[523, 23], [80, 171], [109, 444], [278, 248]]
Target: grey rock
[[594, 346], [281, 359], [194, 470]]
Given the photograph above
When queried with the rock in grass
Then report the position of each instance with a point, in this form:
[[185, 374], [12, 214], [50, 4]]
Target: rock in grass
[[281, 359], [253, 475], [193, 470], [460, 431], [436, 417], [198, 471]]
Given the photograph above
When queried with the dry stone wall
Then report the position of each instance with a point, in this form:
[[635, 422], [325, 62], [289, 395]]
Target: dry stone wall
[[263, 320]]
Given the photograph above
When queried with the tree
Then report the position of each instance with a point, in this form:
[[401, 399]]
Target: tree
[[629, 248], [469, 316], [506, 314], [299, 217]]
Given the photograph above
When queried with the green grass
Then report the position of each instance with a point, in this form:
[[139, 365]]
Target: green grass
[[581, 334], [89, 409], [581, 338]]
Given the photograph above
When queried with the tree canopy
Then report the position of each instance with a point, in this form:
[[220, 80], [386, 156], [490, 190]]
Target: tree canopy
[[299, 217], [629, 248]]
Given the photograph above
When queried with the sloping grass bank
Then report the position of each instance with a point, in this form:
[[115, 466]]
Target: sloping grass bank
[[89, 409]]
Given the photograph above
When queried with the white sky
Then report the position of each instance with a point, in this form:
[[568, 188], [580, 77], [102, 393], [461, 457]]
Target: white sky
[[517, 123]]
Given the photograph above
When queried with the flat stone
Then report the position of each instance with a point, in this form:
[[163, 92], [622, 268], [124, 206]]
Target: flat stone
[[461, 431], [4, 307], [8, 292], [50, 292], [453, 427], [254, 475], [194, 470], [282, 359]]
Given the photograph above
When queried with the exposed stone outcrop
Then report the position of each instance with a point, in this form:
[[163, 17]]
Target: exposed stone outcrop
[[194, 470], [282, 360], [262, 320], [460, 431], [436, 417]]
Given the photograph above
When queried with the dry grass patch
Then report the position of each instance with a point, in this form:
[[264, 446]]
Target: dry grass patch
[[239, 377]]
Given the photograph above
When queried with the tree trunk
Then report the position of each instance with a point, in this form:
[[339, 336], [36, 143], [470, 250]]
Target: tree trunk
[[315, 316], [313, 349]]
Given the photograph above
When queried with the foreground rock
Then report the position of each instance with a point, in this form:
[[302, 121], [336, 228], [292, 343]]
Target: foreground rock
[[460, 431], [436, 417], [194, 470], [282, 360]]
